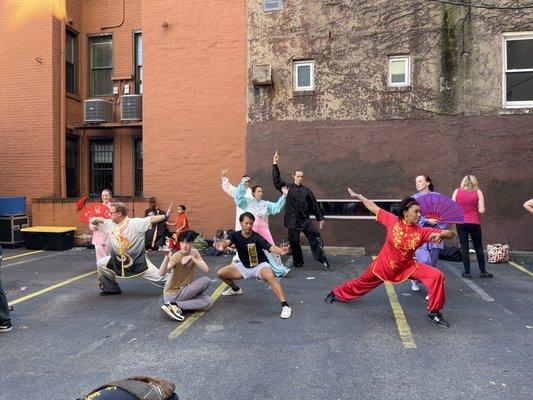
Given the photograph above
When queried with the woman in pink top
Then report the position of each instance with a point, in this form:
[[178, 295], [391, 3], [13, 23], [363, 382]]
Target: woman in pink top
[[100, 240], [472, 202]]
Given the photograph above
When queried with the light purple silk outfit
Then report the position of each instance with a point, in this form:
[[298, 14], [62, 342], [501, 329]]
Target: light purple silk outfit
[[261, 209]]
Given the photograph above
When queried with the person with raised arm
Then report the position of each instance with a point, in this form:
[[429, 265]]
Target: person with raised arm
[[395, 262]]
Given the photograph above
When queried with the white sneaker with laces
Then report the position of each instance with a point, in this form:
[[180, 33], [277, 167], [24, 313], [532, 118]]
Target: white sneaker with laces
[[173, 311], [414, 286], [230, 292], [286, 312]]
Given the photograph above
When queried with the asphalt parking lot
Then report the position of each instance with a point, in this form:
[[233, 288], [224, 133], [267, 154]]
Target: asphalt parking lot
[[67, 339]]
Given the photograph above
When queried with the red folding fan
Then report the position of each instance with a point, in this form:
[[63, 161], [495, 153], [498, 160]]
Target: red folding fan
[[94, 210]]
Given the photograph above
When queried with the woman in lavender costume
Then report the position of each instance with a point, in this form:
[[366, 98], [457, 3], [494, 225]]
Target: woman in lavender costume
[[429, 252]]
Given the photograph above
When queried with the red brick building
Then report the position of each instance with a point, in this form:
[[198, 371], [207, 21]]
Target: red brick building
[[58, 53]]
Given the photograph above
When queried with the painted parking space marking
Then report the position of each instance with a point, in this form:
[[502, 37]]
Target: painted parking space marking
[[401, 322], [520, 268], [50, 288], [192, 318], [24, 254], [484, 295], [28, 260]]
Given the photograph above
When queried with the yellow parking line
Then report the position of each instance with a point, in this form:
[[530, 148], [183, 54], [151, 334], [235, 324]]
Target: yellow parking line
[[23, 254], [401, 322], [192, 318], [49, 288], [519, 267]]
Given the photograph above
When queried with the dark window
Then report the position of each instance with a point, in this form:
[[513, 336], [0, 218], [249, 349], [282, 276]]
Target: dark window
[[101, 165], [138, 45], [72, 166], [101, 65], [519, 71], [71, 58], [349, 209], [138, 156]]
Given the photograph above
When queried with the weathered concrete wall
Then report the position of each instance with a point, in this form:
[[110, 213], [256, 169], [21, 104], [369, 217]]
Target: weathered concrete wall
[[456, 58]]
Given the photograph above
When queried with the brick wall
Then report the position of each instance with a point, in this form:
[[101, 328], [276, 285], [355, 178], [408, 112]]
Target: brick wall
[[27, 104], [194, 105]]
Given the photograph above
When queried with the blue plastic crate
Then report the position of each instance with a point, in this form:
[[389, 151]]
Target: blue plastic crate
[[12, 205]]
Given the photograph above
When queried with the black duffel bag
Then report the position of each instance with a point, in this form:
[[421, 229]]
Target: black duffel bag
[[451, 254]]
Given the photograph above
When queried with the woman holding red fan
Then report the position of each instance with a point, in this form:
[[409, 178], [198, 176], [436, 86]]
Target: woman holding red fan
[[395, 262]]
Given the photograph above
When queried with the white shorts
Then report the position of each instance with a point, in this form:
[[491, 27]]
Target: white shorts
[[248, 273]]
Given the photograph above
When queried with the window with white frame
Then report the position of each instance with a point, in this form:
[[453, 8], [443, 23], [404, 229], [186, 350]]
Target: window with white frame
[[518, 69], [304, 75], [399, 71], [272, 5]]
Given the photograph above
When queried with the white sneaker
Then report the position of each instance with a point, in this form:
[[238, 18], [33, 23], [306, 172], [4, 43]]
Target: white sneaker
[[286, 272], [230, 292], [173, 311], [286, 312], [414, 286], [427, 297]]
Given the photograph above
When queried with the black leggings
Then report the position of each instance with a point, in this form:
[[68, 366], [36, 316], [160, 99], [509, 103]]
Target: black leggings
[[475, 233]]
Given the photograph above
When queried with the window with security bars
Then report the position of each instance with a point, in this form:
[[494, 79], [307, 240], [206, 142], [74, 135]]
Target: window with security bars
[[71, 60], [272, 5], [399, 71], [101, 165], [138, 165], [101, 65], [518, 70], [72, 166]]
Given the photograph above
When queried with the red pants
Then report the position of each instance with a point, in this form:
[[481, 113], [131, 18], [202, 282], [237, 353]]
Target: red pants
[[431, 277]]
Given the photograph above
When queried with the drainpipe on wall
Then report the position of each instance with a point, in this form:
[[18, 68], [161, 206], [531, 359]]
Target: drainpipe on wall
[[63, 113]]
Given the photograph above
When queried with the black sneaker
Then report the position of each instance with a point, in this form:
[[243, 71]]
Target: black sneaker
[[467, 276], [330, 298], [485, 275], [6, 326], [437, 318], [327, 266]]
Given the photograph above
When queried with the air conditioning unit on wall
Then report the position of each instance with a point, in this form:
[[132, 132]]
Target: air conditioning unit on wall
[[131, 107], [98, 110], [261, 75]]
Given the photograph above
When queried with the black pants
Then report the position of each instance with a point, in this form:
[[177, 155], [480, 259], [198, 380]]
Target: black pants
[[315, 241], [463, 230], [4, 307]]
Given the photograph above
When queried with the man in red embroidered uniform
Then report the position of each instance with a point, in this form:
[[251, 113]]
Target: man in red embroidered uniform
[[395, 262]]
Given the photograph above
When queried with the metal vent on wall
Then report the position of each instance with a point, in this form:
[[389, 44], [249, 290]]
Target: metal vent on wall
[[98, 110], [131, 107]]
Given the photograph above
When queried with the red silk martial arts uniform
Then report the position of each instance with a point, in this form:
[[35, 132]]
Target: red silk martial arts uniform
[[395, 263]]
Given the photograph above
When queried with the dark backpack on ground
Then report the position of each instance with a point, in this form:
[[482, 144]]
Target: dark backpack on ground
[[451, 254], [135, 388]]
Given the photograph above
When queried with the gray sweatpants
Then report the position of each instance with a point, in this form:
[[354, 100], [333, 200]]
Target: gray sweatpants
[[108, 282], [192, 297]]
